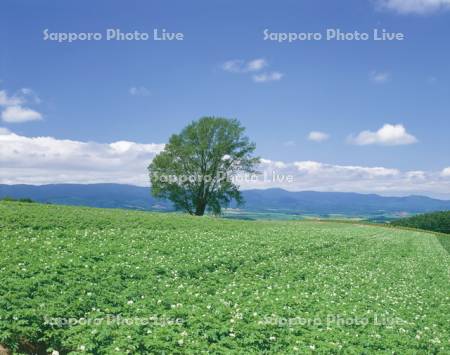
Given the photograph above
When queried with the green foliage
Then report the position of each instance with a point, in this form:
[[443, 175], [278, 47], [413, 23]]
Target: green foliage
[[195, 169], [436, 222], [227, 281], [12, 199]]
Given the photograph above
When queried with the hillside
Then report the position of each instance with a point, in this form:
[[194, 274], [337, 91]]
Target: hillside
[[436, 222], [104, 281], [270, 200]]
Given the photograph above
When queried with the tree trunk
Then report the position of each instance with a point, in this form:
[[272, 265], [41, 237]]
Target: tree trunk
[[200, 209]]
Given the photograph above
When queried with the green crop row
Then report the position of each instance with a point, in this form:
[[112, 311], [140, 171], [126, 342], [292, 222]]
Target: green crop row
[[83, 280]]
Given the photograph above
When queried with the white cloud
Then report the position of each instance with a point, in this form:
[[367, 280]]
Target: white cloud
[[19, 114], [6, 100], [233, 66], [318, 136], [256, 64], [139, 91], [308, 166], [31, 95], [416, 174], [420, 7], [379, 77], [267, 77], [4, 131], [14, 111], [386, 135], [312, 167], [273, 163], [40, 160], [319, 176], [43, 160], [241, 66]]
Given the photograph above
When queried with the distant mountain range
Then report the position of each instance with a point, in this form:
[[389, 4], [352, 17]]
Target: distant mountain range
[[270, 200]]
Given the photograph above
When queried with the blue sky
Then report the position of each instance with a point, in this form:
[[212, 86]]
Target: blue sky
[[83, 91]]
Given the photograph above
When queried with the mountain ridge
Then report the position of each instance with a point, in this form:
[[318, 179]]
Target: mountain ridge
[[274, 199]]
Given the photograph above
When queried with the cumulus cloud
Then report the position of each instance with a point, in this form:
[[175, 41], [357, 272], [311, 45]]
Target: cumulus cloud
[[19, 114], [40, 160], [14, 110], [416, 174], [313, 167], [6, 100], [44, 160], [379, 77], [139, 91], [4, 131], [319, 176], [273, 163], [317, 136], [420, 7], [386, 135]]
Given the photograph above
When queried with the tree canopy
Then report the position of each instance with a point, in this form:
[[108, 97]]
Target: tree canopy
[[196, 168]]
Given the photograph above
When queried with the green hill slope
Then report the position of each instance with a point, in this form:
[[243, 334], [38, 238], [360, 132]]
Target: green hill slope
[[436, 222], [82, 280]]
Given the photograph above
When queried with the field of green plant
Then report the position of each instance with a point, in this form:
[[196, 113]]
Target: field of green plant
[[81, 280]]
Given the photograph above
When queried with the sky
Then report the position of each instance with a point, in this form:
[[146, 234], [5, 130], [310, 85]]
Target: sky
[[340, 115]]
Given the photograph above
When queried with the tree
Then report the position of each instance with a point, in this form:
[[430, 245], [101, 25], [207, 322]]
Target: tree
[[196, 168]]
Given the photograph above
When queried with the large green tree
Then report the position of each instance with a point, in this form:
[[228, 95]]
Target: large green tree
[[196, 168]]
